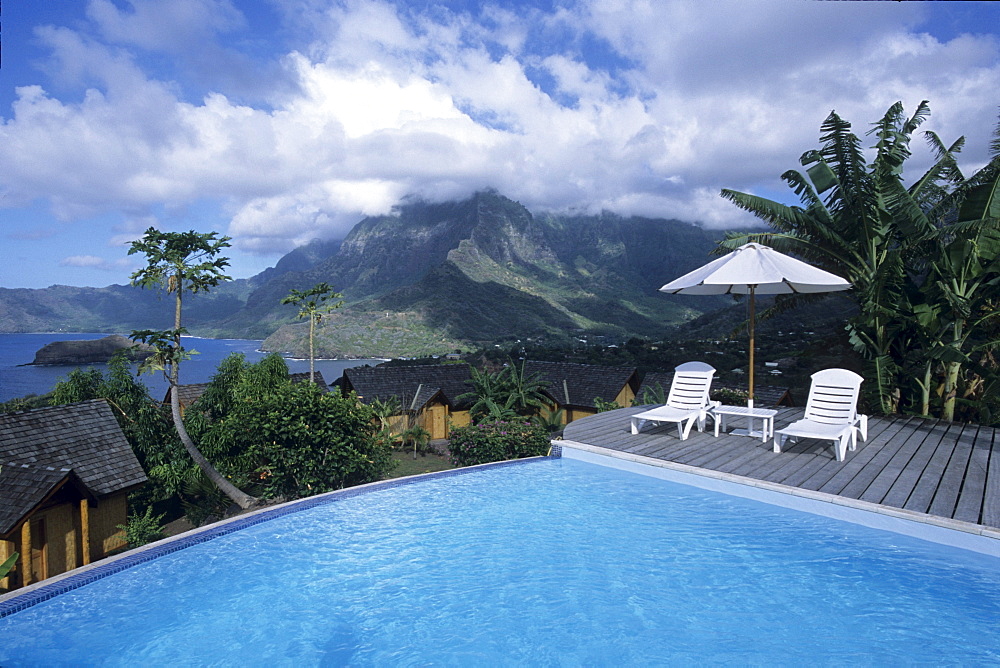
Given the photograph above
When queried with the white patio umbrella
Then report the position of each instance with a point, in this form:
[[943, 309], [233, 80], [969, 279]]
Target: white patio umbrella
[[755, 269]]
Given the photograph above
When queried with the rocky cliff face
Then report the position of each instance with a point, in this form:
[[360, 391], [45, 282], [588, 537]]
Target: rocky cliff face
[[487, 270]]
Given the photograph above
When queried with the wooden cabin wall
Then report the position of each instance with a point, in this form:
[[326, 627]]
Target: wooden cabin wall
[[625, 397], [105, 536]]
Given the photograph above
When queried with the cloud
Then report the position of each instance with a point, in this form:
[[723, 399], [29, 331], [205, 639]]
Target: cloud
[[637, 107], [94, 262]]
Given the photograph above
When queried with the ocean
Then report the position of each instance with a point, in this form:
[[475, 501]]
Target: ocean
[[19, 349]]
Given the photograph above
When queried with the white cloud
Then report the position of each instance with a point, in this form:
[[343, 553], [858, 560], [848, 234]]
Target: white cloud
[[680, 100], [94, 262], [173, 27]]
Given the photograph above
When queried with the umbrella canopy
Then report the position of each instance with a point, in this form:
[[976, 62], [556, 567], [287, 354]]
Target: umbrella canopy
[[755, 269]]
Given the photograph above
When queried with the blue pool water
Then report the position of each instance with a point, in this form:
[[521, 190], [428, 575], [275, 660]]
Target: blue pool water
[[553, 562]]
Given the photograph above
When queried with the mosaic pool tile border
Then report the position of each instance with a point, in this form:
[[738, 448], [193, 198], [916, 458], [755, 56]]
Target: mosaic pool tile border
[[19, 600]]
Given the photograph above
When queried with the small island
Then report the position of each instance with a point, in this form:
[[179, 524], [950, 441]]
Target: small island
[[94, 351]]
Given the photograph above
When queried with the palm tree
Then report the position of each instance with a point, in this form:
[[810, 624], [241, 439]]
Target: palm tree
[[313, 304], [416, 435]]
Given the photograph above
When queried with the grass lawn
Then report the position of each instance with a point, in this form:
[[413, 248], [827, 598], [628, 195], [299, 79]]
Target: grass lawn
[[407, 465]]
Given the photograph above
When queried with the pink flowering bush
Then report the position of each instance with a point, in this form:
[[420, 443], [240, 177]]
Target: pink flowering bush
[[497, 441]]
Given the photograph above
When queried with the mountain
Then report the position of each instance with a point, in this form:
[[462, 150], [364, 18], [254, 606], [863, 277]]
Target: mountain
[[115, 308], [427, 278], [430, 278]]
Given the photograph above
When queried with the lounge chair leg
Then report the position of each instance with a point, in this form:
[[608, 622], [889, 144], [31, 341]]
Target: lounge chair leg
[[778, 441], [840, 447]]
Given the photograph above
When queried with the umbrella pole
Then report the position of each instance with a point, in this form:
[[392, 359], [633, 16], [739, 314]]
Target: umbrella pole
[[752, 318]]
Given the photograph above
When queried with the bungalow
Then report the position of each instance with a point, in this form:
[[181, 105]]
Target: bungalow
[[427, 394], [65, 475], [575, 387]]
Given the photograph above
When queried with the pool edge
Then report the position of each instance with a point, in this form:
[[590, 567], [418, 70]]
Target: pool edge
[[944, 531]]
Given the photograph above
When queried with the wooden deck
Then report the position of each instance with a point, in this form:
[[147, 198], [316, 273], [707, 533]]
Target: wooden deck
[[943, 469]]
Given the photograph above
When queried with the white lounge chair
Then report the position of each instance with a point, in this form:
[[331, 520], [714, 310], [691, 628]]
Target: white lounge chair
[[687, 402], [831, 413]]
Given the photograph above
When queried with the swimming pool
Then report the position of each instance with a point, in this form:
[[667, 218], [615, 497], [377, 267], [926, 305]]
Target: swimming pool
[[552, 561]]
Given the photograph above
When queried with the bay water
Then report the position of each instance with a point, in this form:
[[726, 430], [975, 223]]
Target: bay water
[[17, 350]]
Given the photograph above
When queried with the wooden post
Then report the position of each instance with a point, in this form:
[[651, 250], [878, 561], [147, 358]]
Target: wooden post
[[26, 552], [85, 530]]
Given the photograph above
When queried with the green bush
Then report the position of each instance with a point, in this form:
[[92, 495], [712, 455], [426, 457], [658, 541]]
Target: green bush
[[497, 441], [142, 529]]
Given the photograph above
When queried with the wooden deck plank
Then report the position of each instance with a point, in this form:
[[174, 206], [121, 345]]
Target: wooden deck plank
[[852, 475], [820, 476], [991, 495], [905, 443], [922, 496], [881, 457], [930, 433], [908, 462], [970, 500], [946, 497]]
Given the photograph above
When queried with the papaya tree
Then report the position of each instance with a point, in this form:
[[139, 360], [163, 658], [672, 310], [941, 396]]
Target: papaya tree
[[181, 262], [313, 304]]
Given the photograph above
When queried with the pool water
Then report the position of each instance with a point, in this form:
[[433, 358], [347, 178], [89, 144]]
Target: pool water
[[552, 562]]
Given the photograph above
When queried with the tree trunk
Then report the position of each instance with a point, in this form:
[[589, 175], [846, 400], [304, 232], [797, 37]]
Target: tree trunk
[[312, 349], [925, 392], [242, 499], [950, 389]]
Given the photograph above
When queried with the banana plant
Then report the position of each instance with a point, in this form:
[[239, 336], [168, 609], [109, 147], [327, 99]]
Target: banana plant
[[859, 220], [8, 564]]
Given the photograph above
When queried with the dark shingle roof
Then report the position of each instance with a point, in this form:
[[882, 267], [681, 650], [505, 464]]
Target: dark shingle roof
[[23, 487], [582, 382], [411, 385], [84, 437], [304, 378]]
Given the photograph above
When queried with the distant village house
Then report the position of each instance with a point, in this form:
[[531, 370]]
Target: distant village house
[[428, 395]]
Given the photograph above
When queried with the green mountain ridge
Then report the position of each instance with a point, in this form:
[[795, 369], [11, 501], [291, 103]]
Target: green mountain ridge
[[485, 270], [426, 279]]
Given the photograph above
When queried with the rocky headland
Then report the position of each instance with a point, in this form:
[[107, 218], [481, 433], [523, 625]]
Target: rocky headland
[[90, 352]]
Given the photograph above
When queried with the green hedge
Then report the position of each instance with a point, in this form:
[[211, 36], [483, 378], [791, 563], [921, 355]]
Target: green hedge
[[497, 442]]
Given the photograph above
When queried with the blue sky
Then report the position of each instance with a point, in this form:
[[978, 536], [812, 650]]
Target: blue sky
[[279, 121]]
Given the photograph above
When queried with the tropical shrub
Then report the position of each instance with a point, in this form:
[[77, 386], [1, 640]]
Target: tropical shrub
[[729, 396], [142, 529], [603, 406], [497, 441], [509, 392], [293, 440]]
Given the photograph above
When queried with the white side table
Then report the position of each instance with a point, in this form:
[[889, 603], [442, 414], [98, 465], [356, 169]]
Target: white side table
[[765, 415]]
